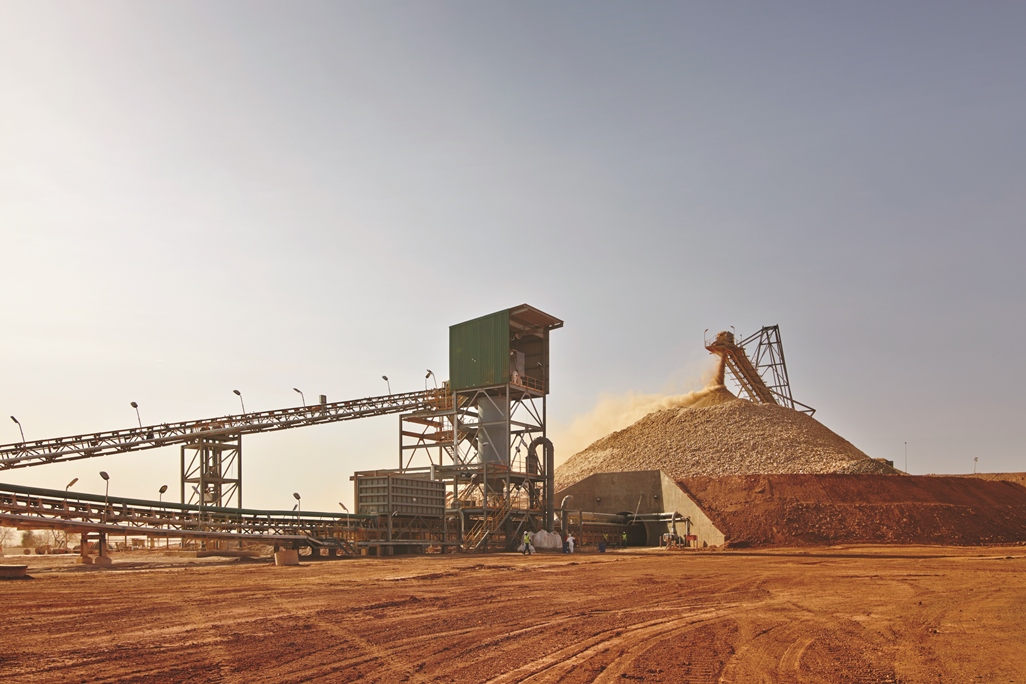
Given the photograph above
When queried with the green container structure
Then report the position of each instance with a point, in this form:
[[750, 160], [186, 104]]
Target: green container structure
[[508, 346]]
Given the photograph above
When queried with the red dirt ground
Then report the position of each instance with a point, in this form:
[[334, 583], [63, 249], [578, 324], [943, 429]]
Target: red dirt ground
[[830, 509], [837, 615]]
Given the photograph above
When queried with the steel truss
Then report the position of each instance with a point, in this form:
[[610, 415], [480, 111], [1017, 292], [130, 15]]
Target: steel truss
[[768, 359], [36, 508], [212, 471], [478, 443], [38, 452], [760, 373]]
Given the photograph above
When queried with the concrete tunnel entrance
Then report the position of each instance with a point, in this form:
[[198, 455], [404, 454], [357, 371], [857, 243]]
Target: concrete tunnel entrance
[[637, 532]]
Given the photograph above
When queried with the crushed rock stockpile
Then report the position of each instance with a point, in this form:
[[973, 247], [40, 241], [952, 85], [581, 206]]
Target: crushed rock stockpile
[[714, 432], [799, 510]]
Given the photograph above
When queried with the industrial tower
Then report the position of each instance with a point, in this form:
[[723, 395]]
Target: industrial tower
[[470, 459]]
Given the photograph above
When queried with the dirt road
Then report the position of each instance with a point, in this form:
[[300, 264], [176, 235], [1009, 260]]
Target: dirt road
[[868, 614]]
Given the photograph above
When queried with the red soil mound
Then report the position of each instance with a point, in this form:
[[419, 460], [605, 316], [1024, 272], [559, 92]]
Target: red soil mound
[[827, 509], [1018, 478]]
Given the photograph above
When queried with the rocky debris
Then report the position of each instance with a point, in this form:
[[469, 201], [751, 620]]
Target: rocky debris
[[715, 434], [806, 510]]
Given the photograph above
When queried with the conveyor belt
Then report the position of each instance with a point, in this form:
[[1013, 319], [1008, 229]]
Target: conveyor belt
[[38, 452], [32, 507], [741, 368]]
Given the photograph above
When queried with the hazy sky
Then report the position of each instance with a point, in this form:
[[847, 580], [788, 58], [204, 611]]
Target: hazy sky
[[197, 197]]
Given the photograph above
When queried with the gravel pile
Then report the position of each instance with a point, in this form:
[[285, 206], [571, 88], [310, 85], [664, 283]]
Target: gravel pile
[[716, 434]]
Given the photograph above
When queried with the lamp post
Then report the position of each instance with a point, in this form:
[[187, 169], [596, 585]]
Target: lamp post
[[106, 491], [19, 429], [906, 458], [347, 518], [430, 374], [299, 506], [68, 486], [239, 395], [975, 460], [136, 407], [163, 488], [387, 383], [301, 396]]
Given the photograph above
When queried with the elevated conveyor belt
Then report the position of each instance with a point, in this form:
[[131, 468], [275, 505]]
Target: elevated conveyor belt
[[744, 372], [21, 455]]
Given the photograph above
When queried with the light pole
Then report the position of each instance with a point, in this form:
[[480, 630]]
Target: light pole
[[106, 491], [347, 518], [385, 378], [67, 487], [19, 429], [299, 506], [136, 407], [163, 488], [906, 458], [975, 459], [303, 398], [430, 374], [239, 394]]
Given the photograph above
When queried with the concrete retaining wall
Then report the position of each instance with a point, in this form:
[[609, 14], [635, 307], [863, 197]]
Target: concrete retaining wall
[[642, 491]]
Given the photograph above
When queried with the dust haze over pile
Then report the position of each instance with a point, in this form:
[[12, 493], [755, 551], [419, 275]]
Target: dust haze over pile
[[612, 413]]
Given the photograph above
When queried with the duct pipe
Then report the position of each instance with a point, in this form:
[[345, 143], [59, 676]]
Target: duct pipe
[[564, 525], [550, 477], [655, 517]]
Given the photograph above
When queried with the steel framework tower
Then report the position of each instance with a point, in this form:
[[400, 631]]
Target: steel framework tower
[[768, 358], [480, 437]]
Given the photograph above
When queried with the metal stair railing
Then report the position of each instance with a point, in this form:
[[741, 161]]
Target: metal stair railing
[[485, 527]]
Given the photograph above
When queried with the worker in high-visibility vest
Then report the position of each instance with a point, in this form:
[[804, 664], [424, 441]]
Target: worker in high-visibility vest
[[527, 543], [623, 539]]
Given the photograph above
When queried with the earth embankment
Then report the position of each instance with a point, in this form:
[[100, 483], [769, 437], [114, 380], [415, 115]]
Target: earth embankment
[[810, 510]]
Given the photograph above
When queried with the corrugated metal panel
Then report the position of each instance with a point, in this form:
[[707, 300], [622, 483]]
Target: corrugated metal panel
[[408, 496], [479, 351]]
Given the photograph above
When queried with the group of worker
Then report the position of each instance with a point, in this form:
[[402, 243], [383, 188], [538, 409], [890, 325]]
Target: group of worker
[[569, 542]]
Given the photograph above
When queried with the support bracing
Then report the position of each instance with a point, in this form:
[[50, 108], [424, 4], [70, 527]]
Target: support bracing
[[212, 472], [757, 365]]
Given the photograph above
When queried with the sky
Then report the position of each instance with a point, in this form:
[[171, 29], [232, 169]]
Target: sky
[[197, 197]]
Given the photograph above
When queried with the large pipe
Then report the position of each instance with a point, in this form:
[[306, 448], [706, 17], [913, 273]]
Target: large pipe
[[564, 523], [656, 517], [550, 477]]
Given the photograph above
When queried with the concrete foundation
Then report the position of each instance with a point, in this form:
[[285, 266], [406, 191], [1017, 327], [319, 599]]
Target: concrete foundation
[[286, 557], [13, 571]]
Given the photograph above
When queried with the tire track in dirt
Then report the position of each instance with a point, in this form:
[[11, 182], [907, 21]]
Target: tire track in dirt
[[787, 619], [389, 659], [557, 664], [641, 644], [737, 668], [564, 660], [789, 668]]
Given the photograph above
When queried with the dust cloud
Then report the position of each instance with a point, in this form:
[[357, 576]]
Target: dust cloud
[[613, 413]]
